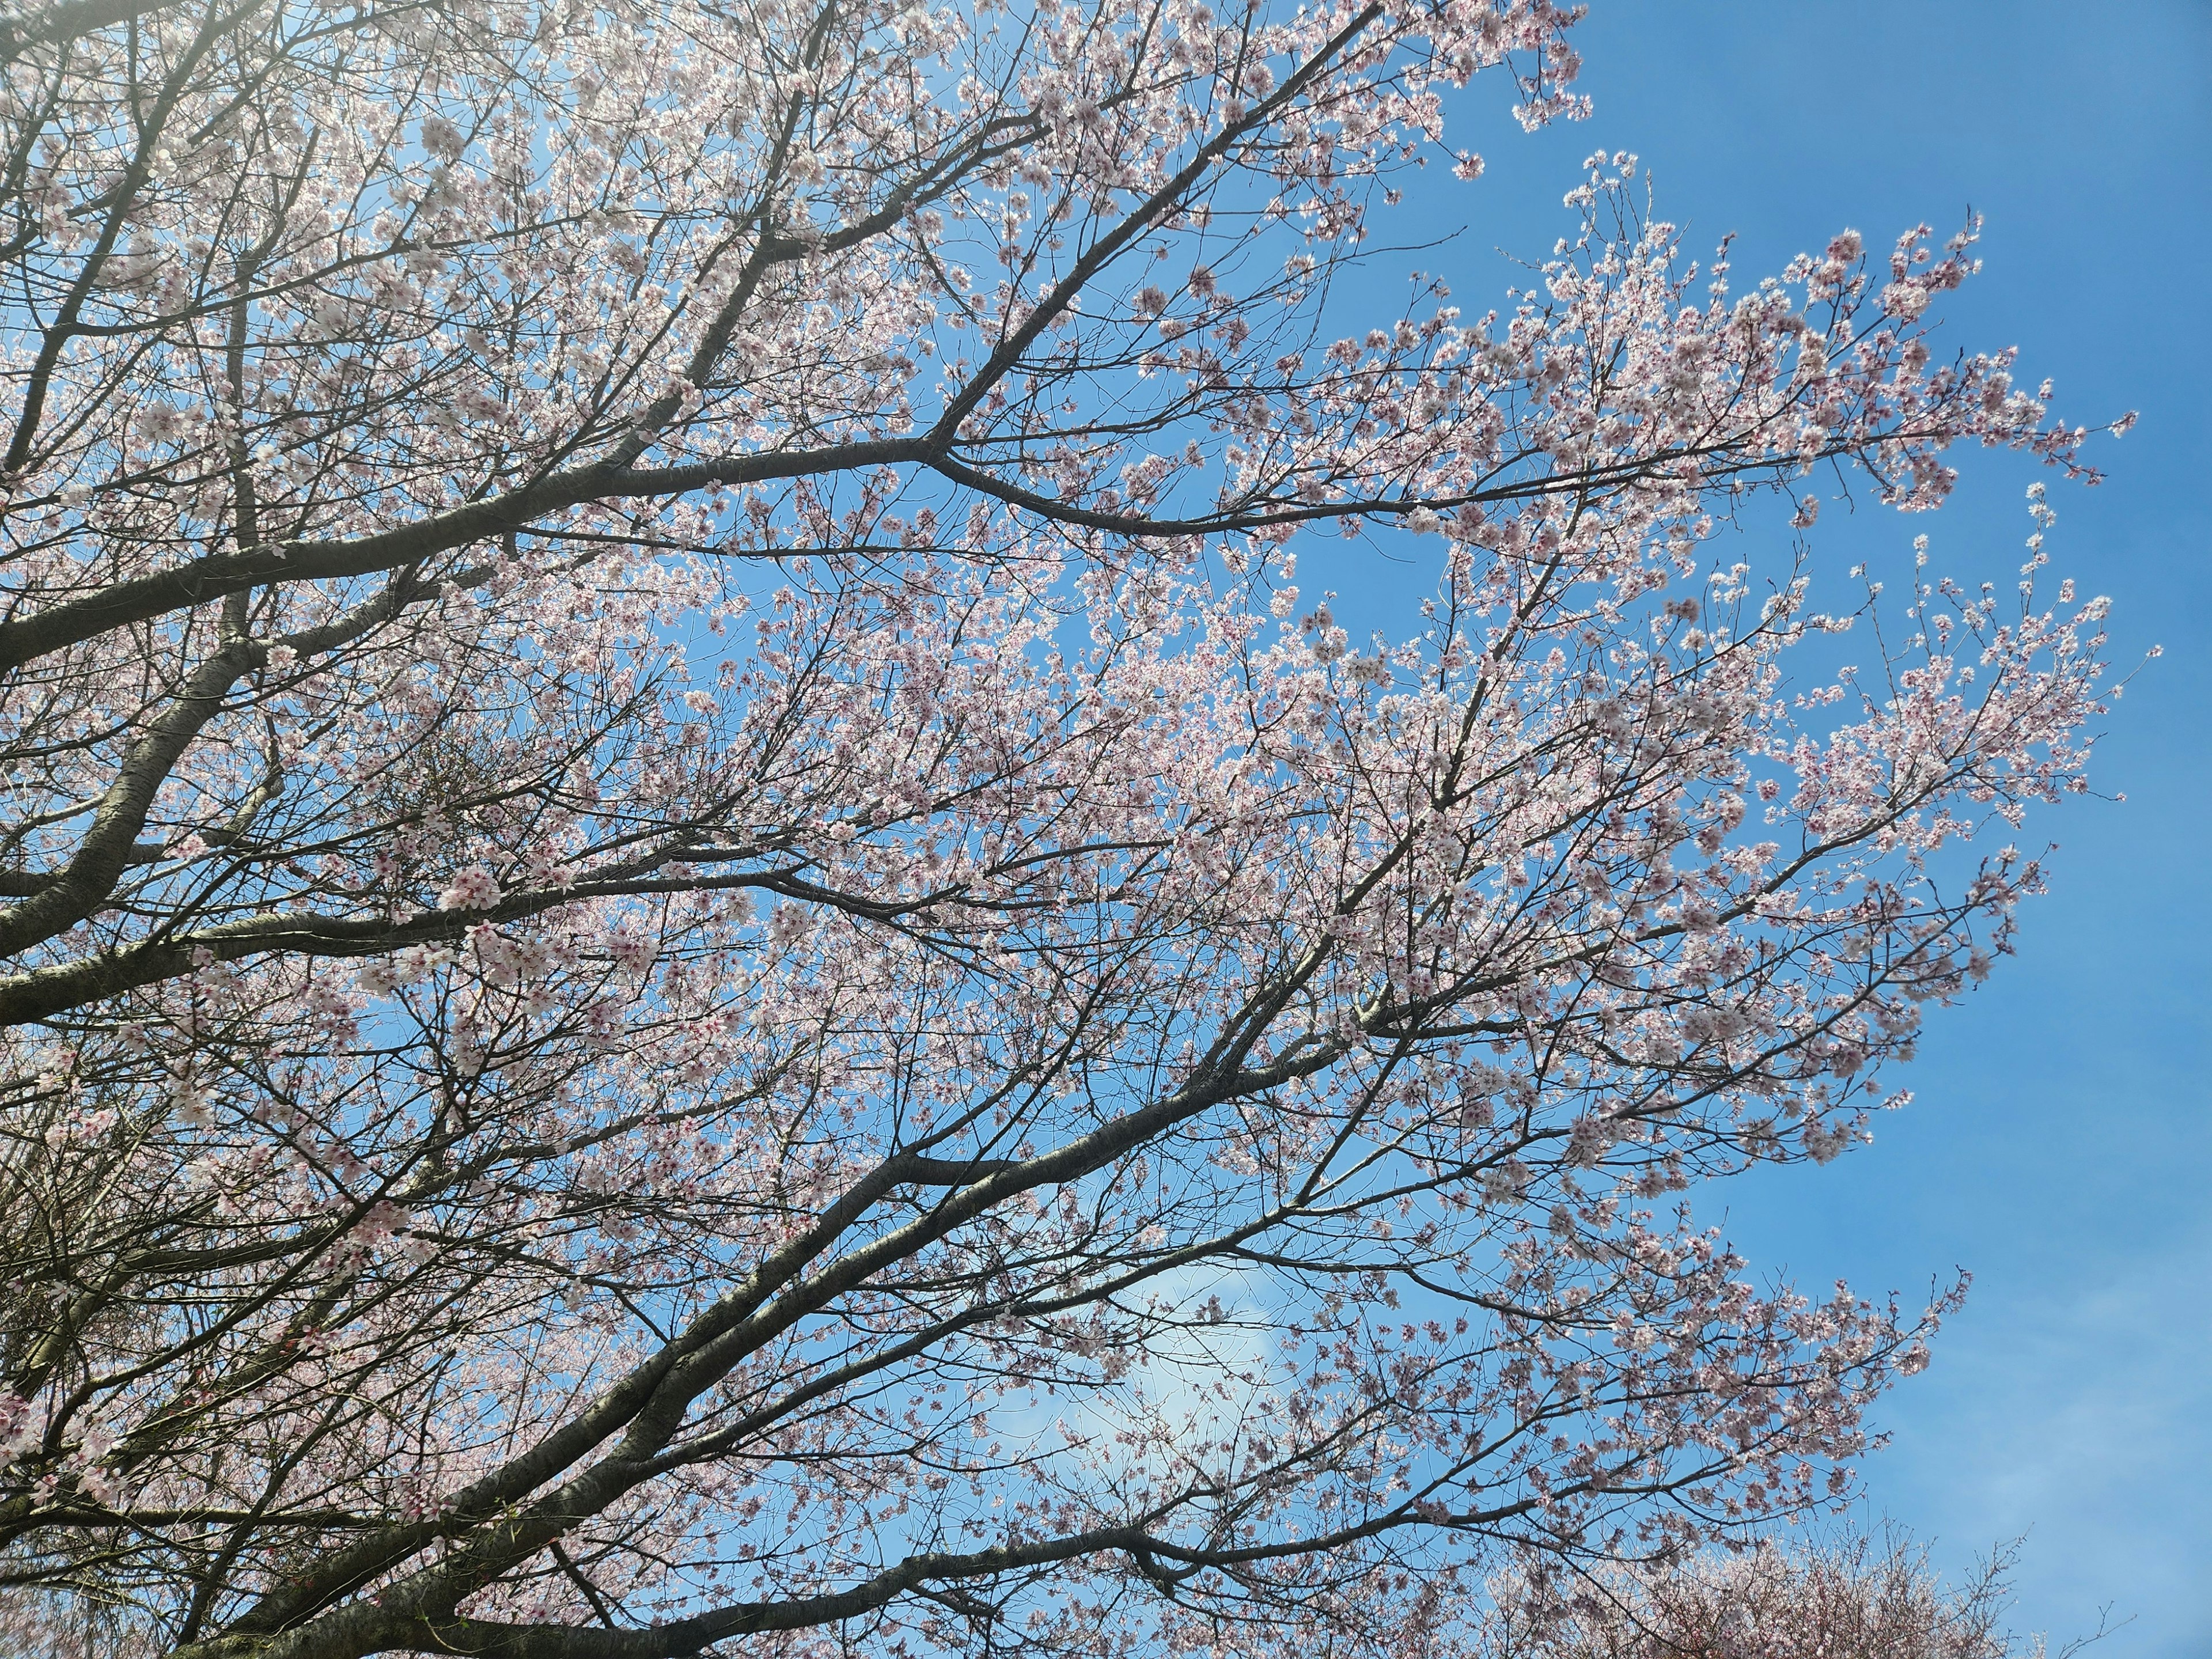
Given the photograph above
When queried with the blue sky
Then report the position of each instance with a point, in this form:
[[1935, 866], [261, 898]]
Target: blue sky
[[2059, 1146]]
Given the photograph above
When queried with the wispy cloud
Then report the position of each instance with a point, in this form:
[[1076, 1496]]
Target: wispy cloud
[[2066, 1415]]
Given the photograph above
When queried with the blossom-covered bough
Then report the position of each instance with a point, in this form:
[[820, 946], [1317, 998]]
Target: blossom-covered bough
[[702, 947]]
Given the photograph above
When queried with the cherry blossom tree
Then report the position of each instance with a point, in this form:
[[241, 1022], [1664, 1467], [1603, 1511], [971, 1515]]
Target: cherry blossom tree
[[702, 947], [1856, 1599]]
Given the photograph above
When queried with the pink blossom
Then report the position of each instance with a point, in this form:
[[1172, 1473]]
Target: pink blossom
[[472, 889]]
